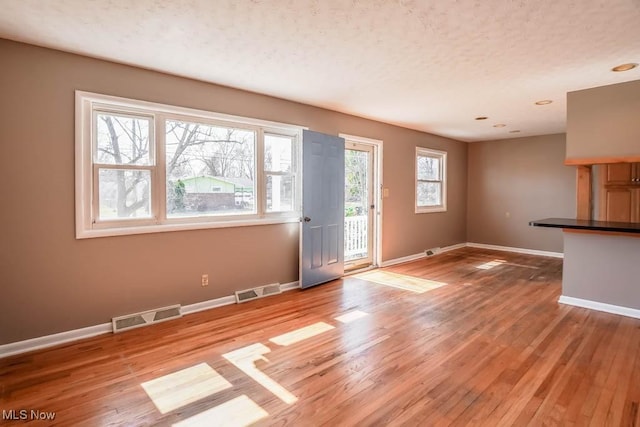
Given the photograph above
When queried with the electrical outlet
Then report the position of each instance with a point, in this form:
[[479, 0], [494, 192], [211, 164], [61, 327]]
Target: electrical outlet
[[507, 214], [205, 280]]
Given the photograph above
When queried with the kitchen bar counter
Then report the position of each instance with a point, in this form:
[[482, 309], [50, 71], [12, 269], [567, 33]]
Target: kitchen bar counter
[[591, 225], [601, 267]]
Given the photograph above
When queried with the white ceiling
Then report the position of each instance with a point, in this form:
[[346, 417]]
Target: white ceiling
[[431, 65]]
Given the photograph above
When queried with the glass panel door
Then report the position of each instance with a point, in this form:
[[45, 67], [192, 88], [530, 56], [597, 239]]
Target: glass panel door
[[359, 206]]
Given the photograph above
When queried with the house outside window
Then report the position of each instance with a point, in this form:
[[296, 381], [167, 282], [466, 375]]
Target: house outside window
[[431, 180], [144, 167]]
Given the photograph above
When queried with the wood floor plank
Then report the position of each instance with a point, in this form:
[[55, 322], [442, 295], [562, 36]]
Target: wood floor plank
[[489, 345]]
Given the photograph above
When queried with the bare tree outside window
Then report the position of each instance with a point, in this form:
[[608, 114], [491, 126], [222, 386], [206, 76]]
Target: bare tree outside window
[[356, 204], [356, 191], [123, 141], [210, 169], [148, 167], [429, 181]]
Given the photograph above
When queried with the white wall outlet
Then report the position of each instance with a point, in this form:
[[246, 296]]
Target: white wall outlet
[[385, 192], [205, 280], [507, 214]]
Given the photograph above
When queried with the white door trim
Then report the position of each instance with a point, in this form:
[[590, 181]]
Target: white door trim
[[371, 200], [377, 185]]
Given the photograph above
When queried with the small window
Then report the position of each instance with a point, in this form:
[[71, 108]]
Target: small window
[[431, 180]]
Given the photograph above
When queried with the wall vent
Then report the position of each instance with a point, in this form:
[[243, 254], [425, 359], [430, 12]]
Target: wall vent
[[259, 292], [432, 251], [136, 320]]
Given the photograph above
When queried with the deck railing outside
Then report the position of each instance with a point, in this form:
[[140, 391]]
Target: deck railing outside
[[355, 237]]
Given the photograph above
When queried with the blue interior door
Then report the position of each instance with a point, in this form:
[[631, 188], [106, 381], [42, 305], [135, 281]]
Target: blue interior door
[[322, 234]]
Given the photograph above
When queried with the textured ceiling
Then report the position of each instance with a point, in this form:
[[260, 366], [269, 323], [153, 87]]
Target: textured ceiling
[[431, 65]]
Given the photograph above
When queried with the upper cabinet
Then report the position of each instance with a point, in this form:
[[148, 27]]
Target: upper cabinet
[[623, 174]]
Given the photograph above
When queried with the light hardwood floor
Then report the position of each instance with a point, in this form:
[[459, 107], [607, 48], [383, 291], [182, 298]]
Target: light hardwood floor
[[466, 337]]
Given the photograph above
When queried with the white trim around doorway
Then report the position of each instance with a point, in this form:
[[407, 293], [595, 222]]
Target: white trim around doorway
[[377, 145]]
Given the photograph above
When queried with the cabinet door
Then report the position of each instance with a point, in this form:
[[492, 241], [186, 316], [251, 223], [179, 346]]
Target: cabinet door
[[635, 205], [635, 173], [619, 204], [619, 173]]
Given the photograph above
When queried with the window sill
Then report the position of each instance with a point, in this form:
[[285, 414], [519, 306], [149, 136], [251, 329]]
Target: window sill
[[431, 209], [162, 228]]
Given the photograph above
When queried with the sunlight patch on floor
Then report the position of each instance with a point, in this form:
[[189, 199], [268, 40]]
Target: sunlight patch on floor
[[400, 281], [301, 334], [491, 264], [244, 359], [181, 388], [351, 316], [240, 411]]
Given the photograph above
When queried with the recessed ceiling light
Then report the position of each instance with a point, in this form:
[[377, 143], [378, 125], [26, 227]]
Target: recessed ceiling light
[[499, 125], [482, 118], [514, 131], [624, 67], [544, 102]]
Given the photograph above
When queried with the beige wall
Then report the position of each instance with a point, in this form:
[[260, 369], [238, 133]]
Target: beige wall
[[525, 177], [604, 122], [51, 282], [602, 268]]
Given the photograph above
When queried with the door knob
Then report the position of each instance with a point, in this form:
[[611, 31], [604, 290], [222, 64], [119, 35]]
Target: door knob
[[307, 219]]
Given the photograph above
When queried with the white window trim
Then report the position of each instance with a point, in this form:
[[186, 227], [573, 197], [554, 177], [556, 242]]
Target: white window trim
[[420, 151], [294, 174], [86, 227]]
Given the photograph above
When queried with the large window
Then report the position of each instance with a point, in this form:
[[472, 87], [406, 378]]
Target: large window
[[431, 180], [143, 167]]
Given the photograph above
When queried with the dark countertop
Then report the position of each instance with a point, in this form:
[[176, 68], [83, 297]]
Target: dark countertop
[[584, 224]]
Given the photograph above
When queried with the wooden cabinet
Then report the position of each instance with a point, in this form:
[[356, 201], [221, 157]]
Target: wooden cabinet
[[623, 174], [622, 204], [620, 192]]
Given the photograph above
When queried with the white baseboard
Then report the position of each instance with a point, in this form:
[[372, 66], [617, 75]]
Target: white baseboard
[[91, 331], [453, 247], [419, 256], [401, 260], [517, 250], [207, 305], [55, 339], [473, 245], [600, 306]]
